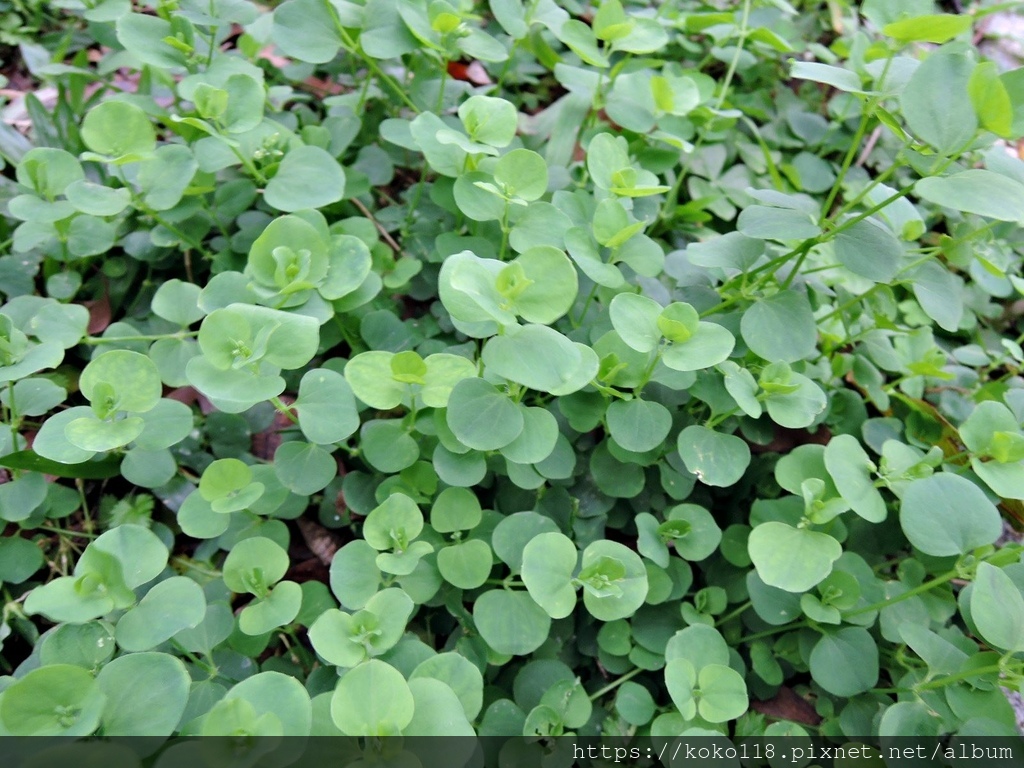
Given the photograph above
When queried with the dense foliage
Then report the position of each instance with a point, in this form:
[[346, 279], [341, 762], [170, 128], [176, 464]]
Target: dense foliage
[[514, 368]]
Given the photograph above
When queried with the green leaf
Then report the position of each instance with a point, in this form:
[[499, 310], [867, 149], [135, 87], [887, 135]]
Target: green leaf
[[936, 103], [177, 302], [522, 173], [438, 711], [165, 175], [146, 694], [19, 559], [490, 120], [845, 663], [228, 485], [369, 376], [614, 580], [87, 470], [171, 606], [293, 187], [96, 199], [550, 288], [635, 318], [723, 694], [638, 425], [997, 608], [717, 693], [934, 28], [49, 172], [459, 674], [781, 327], [120, 380], [140, 553], [278, 608], [837, 77], [91, 434], [354, 575], [538, 439], [692, 531], [455, 509], [326, 407], [481, 417], [764, 223], [511, 622], [869, 249], [304, 468], [708, 345], [851, 469], [715, 458], [946, 514], [118, 130], [372, 699], [279, 695], [549, 561], [305, 30], [56, 700], [793, 559], [393, 524], [347, 639], [540, 358], [580, 39], [466, 565], [975, 191], [990, 99], [145, 37], [253, 565]]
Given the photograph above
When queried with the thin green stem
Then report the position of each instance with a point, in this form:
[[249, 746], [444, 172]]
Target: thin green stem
[[731, 71], [13, 411], [504, 232], [942, 682], [354, 48], [189, 564], [93, 340], [920, 589], [440, 92], [734, 613], [774, 631], [68, 532], [585, 308], [615, 684], [673, 195], [282, 408]]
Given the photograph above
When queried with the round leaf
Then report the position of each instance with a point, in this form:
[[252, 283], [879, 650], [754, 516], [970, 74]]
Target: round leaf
[[372, 699], [308, 177], [946, 514], [511, 622], [793, 559], [481, 417], [715, 458], [549, 561]]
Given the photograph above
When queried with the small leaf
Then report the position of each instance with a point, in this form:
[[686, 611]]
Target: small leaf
[[793, 559]]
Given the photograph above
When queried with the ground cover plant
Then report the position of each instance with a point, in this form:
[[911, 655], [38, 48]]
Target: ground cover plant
[[520, 368]]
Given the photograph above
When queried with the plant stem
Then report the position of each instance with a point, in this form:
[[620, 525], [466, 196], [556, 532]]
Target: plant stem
[[354, 48], [585, 308], [615, 683], [92, 340], [673, 195], [920, 589], [280, 406], [68, 532], [734, 613], [775, 631], [942, 682], [190, 564]]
